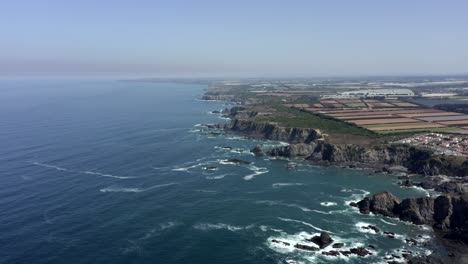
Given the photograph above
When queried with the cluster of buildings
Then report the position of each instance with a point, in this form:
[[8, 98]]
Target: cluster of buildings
[[373, 93], [442, 143]]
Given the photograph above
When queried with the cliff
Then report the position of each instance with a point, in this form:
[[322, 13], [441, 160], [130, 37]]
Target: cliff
[[417, 160], [447, 213], [272, 131], [310, 144]]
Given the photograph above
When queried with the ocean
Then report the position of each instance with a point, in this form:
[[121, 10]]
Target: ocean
[[123, 172]]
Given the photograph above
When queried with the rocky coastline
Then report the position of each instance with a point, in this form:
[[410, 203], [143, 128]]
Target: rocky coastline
[[447, 214]]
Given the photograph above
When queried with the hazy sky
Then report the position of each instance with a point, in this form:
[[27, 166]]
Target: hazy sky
[[232, 38]]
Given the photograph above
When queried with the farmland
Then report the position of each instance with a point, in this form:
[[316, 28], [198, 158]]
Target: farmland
[[388, 116]]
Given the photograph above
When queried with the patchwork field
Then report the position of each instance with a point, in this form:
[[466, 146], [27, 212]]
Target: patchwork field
[[404, 127], [382, 121], [389, 116]]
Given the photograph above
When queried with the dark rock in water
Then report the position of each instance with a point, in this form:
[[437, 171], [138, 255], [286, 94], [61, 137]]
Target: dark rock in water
[[228, 148], [306, 247], [427, 185], [448, 213], [331, 253], [210, 168], [371, 227], [238, 161], [258, 151], [406, 183], [360, 251], [345, 252], [389, 234], [383, 203], [416, 210], [364, 206], [403, 177], [353, 204], [406, 255], [338, 245], [280, 242], [323, 241], [411, 241], [215, 112], [380, 203]]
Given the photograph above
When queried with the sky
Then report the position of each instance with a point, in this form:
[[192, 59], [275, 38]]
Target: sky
[[203, 38]]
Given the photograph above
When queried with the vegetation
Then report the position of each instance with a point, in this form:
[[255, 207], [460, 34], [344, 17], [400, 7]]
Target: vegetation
[[291, 117]]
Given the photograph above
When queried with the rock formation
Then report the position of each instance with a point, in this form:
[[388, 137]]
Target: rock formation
[[447, 213]]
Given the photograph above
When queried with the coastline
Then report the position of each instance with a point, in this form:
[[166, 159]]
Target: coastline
[[299, 148]]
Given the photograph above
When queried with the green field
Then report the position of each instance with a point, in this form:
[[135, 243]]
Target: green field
[[291, 117]]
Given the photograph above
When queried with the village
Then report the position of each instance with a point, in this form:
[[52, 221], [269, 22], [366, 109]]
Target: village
[[441, 143]]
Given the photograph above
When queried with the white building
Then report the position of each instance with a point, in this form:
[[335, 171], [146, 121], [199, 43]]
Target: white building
[[378, 92]]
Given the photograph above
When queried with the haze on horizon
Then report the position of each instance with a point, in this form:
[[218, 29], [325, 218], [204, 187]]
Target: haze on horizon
[[205, 38]]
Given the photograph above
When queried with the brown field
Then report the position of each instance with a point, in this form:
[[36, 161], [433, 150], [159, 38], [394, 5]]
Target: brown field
[[386, 112], [350, 101], [381, 105], [431, 114], [457, 122], [338, 105], [364, 117], [444, 118], [405, 127], [402, 104], [328, 102], [380, 110], [383, 121], [317, 105]]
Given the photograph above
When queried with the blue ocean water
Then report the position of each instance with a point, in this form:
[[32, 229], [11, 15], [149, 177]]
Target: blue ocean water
[[119, 172]]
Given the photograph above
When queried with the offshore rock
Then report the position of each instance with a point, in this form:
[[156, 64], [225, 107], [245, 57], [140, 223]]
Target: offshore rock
[[323, 241], [382, 203], [258, 151], [448, 213]]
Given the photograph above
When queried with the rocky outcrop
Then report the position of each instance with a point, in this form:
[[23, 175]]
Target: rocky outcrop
[[323, 241], [446, 213], [394, 158], [272, 131], [418, 211], [383, 203], [258, 151]]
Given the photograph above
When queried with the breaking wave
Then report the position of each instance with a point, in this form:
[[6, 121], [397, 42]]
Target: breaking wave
[[219, 226], [286, 184], [133, 190], [82, 172]]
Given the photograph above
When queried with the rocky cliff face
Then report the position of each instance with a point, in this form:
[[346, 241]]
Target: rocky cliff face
[[272, 131], [307, 143], [417, 160], [446, 213]]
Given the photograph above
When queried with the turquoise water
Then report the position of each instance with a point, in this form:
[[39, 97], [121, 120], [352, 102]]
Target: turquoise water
[[115, 172]]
